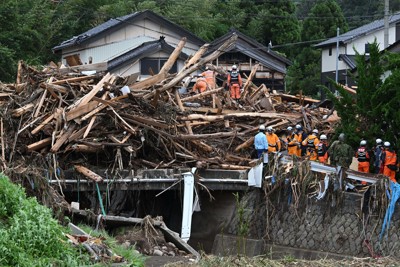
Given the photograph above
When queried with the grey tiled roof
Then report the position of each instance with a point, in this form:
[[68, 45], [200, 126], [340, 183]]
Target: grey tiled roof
[[360, 31], [250, 47]]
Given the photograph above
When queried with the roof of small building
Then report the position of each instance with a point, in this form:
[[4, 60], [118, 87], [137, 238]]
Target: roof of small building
[[250, 47], [349, 36], [144, 50], [115, 23]]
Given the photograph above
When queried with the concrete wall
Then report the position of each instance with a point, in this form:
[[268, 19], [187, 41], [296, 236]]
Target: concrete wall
[[317, 226]]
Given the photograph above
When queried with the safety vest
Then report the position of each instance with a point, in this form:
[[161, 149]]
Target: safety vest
[[234, 77], [322, 149], [310, 142], [390, 158], [362, 154]]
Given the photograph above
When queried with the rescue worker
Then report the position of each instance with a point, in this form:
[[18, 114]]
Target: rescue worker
[[209, 75], [301, 136], [389, 161], [200, 86], [323, 149], [340, 153], [260, 141], [235, 83], [311, 142], [293, 142], [363, 158], [378, 154], [274, 144]]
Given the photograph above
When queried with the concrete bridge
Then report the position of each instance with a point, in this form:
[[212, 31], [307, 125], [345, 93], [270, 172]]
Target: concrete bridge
[[198, 204]]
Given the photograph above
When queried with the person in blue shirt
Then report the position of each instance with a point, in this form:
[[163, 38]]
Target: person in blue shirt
[[260, 141], [378, 154]]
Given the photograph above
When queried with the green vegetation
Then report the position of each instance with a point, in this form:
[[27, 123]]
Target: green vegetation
[[29, 236], [373, 112]]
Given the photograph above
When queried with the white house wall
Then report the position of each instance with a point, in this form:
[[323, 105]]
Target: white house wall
[[329, 62], [126, 38], [359, 43]]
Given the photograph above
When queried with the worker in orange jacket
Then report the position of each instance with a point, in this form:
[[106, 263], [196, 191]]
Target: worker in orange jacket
[[323, 149], [274, 144], [389, 161], [200, 86], [209, 75], [363, 157], [311, 143], [235, 83], [293, 143]]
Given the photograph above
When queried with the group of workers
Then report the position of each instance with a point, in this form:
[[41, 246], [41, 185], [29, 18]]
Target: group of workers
[[206, 81], [301, 144]]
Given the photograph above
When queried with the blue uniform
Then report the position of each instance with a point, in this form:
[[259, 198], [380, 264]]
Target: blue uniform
[[260, 143]]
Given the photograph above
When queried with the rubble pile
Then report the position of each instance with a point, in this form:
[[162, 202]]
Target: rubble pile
[[58, 118]]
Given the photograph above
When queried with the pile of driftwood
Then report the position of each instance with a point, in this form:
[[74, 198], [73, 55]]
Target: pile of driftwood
[[58, 118]]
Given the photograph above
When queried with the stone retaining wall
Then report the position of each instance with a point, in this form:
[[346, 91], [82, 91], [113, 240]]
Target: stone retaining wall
[[318, 226]]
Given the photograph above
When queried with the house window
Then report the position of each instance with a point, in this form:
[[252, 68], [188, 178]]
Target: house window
[[367, 48], [397, 31], [150, 66], [330, 51]]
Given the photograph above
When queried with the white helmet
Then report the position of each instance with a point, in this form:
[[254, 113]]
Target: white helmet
[[323, 137], [234, 67], [269, 129], [386, 144], [289, 128], [298, 127], [315, 131], [378, 141], [363, 143], [261, 128]]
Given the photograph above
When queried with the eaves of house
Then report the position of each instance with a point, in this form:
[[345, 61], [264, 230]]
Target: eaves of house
[[354, 34]]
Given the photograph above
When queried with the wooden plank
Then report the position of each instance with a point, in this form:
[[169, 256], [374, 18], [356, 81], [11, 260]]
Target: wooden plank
[[46, 121], [61, 140], [206, 93], [88, 173], [74, 79], [54, 87], [39, 144], [39, 106], [22, 110], [148, 121], [84, 100], [98, 67], [81, 110], [193, 60], [101, 107], [266, 115], [248, 81]]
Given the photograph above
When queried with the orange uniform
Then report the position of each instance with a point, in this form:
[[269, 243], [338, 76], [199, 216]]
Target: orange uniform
[[274, 144], [235, 83], [294, 144], [312, 145], [323, 152], [363, 159], [389, 159], [299, 138], [210, 78], [200, 85]]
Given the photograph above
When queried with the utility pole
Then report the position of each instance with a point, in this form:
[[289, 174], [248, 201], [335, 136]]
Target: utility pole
[[337, 55], [386, 29]]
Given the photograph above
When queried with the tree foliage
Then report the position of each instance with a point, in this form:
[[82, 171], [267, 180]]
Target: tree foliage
[[373, 112], [321, 23]]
